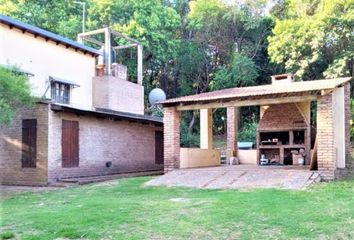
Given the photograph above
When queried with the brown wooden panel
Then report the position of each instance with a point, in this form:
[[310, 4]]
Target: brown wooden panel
[[29, 143], [159, 147], [70, 144]]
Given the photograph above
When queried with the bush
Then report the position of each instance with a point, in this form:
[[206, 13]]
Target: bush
[[248, 133], [14, 93], [188, 139]]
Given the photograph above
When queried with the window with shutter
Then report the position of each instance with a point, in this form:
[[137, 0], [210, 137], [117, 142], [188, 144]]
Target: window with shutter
[[70, 144], [29, 143]]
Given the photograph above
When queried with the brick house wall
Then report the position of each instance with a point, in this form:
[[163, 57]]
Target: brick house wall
[[129, 146], [11, 144]]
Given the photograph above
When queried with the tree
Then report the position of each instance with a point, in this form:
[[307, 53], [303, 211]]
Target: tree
[[314, 38], [62, 17], [14, 93]]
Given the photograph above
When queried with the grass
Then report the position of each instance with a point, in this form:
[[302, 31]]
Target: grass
[[126, 209]]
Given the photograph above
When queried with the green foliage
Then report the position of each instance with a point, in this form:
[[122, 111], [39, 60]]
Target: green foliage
[[62, 17], [188, 138], [248, 133], [242, 72], [14, 93], [314, 39]]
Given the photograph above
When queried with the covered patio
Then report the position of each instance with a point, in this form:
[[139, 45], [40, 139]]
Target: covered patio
[[285, 115]]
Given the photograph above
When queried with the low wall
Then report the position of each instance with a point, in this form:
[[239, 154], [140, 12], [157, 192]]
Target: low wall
[[196, 157], [118, 94], [247, 156]]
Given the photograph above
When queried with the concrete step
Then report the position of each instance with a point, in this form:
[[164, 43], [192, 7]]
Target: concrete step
[[93, 179]]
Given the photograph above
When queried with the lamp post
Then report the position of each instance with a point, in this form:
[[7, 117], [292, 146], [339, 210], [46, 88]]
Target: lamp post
[[83, 4]]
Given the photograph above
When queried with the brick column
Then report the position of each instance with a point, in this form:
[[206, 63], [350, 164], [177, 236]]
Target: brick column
[[232, 128], [326, 152], [171, 121]]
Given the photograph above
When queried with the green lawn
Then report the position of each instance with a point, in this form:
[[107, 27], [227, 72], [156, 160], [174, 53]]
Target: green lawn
[[125, 209]]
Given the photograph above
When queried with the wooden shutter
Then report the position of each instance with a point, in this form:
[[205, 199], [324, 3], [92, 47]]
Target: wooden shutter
[[159, 147], [70, 144], [29, 143]]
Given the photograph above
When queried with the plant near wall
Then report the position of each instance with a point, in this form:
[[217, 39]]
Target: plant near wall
[[14, 93]]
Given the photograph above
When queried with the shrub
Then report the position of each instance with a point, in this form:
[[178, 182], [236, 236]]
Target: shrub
[[188, 139], [248, 133]]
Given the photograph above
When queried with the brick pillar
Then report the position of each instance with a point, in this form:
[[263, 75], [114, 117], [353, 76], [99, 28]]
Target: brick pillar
[[171, 121], [232, 128], [326, 152]]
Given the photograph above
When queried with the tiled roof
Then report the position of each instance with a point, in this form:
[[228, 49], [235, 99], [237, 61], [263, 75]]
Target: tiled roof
[[107, 113], [46, 34], [262, 90]]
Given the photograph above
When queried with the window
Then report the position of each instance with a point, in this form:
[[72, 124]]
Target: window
[[60, 92], [70, 144], [29, 143]]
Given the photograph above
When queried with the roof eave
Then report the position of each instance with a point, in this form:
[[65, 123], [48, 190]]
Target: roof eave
[[27, 28]]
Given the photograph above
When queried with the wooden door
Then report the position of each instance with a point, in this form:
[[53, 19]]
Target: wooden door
[[70, 144], [159, 147], [29, 143]]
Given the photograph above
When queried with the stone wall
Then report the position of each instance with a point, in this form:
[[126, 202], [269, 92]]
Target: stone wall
[[171, 122], [11, 144], [129, 146]]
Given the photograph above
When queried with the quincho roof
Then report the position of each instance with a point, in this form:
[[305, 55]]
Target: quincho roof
[[265, 91]]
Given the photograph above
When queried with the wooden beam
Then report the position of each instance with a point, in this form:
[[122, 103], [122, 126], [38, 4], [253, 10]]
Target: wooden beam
[[98, 31], [125, 46], [302, 114], [93, 41], [242, 103], [326, 91], [140, 64], [125, 37]]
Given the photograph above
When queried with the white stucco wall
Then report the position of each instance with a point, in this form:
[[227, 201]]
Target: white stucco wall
[[339, 125], [46, 58]]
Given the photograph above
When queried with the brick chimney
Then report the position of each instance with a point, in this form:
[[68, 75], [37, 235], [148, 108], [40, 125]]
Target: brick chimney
[[282, 78]]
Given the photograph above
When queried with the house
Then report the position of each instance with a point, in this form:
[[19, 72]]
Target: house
[[283, 131], [85, 124]]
